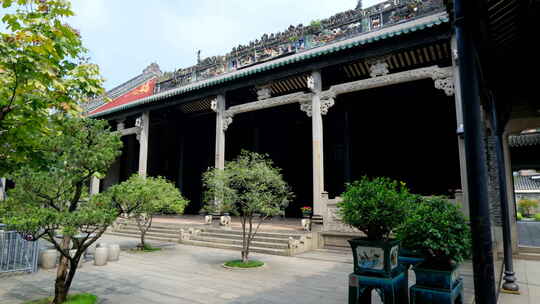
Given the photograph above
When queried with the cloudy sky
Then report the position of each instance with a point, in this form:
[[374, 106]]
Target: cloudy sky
[[125, 36]]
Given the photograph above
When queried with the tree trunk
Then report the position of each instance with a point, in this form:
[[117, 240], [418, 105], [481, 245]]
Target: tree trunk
[[61, 289], [245, 256], [143, 245], [244, 241]]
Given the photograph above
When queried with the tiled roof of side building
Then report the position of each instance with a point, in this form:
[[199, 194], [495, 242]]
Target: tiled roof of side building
[[524, 140], [150, 72], [526, 184]]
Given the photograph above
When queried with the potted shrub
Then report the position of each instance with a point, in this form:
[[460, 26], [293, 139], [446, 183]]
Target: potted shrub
[[375, 207], [438, 230]]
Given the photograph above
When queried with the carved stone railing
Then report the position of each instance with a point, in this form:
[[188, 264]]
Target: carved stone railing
[[300, 38]]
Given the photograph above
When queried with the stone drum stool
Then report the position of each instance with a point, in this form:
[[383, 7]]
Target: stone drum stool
[[101, 255], [114, 252], [48, 258]]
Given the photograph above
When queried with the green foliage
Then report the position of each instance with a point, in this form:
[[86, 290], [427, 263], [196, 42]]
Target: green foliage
[[375, 206], [537, 217], [43, 67], [527, 207], [51, 194], [240, 264], [249, 184], [437, 229], [81, 298], [146, 196], [519, 216], [141, 198]]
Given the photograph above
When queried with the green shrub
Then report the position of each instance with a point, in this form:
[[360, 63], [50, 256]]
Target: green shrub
[[519, 216], [437, 229], [527, 207], [537, 217], [375, 207]]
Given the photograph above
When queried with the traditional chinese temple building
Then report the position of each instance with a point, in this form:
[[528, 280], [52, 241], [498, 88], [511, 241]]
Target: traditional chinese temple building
[[380, 91]]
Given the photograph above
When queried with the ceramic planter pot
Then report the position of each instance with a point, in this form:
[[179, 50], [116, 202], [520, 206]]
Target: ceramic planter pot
[[101, 255], [48, 258], [114, 253], [379, 258], [409, 257], [427, 275]]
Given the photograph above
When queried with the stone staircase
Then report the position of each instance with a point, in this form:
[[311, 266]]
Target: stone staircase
[[285, 243], [528, 253]]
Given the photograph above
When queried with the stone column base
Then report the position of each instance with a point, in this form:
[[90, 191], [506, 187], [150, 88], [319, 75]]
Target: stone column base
[[317, 223]]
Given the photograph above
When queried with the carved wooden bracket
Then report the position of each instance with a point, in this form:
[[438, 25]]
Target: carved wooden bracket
[[264, 104], [326, 103]]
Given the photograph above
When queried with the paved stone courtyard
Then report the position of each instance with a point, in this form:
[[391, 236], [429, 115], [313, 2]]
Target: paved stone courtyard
[[529, 233], [184, 274]]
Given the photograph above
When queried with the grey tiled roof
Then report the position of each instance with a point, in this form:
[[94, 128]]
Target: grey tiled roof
[[524, 140], [526, 183]]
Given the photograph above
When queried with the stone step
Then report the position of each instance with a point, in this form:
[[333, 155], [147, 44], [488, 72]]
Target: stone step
[[528, 249], [169, 228], [154, 238], [239, 237], [239, 242], [153, 231], [528, 256], [260, 233], [236, 247]]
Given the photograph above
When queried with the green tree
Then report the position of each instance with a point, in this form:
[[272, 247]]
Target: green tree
[[43, 69], [527, 207], [250, 186], [145, 197], [50, 201]]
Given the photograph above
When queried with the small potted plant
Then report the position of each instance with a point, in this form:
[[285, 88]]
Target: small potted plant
[[306, 211], [438, 230], [376, 207]]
